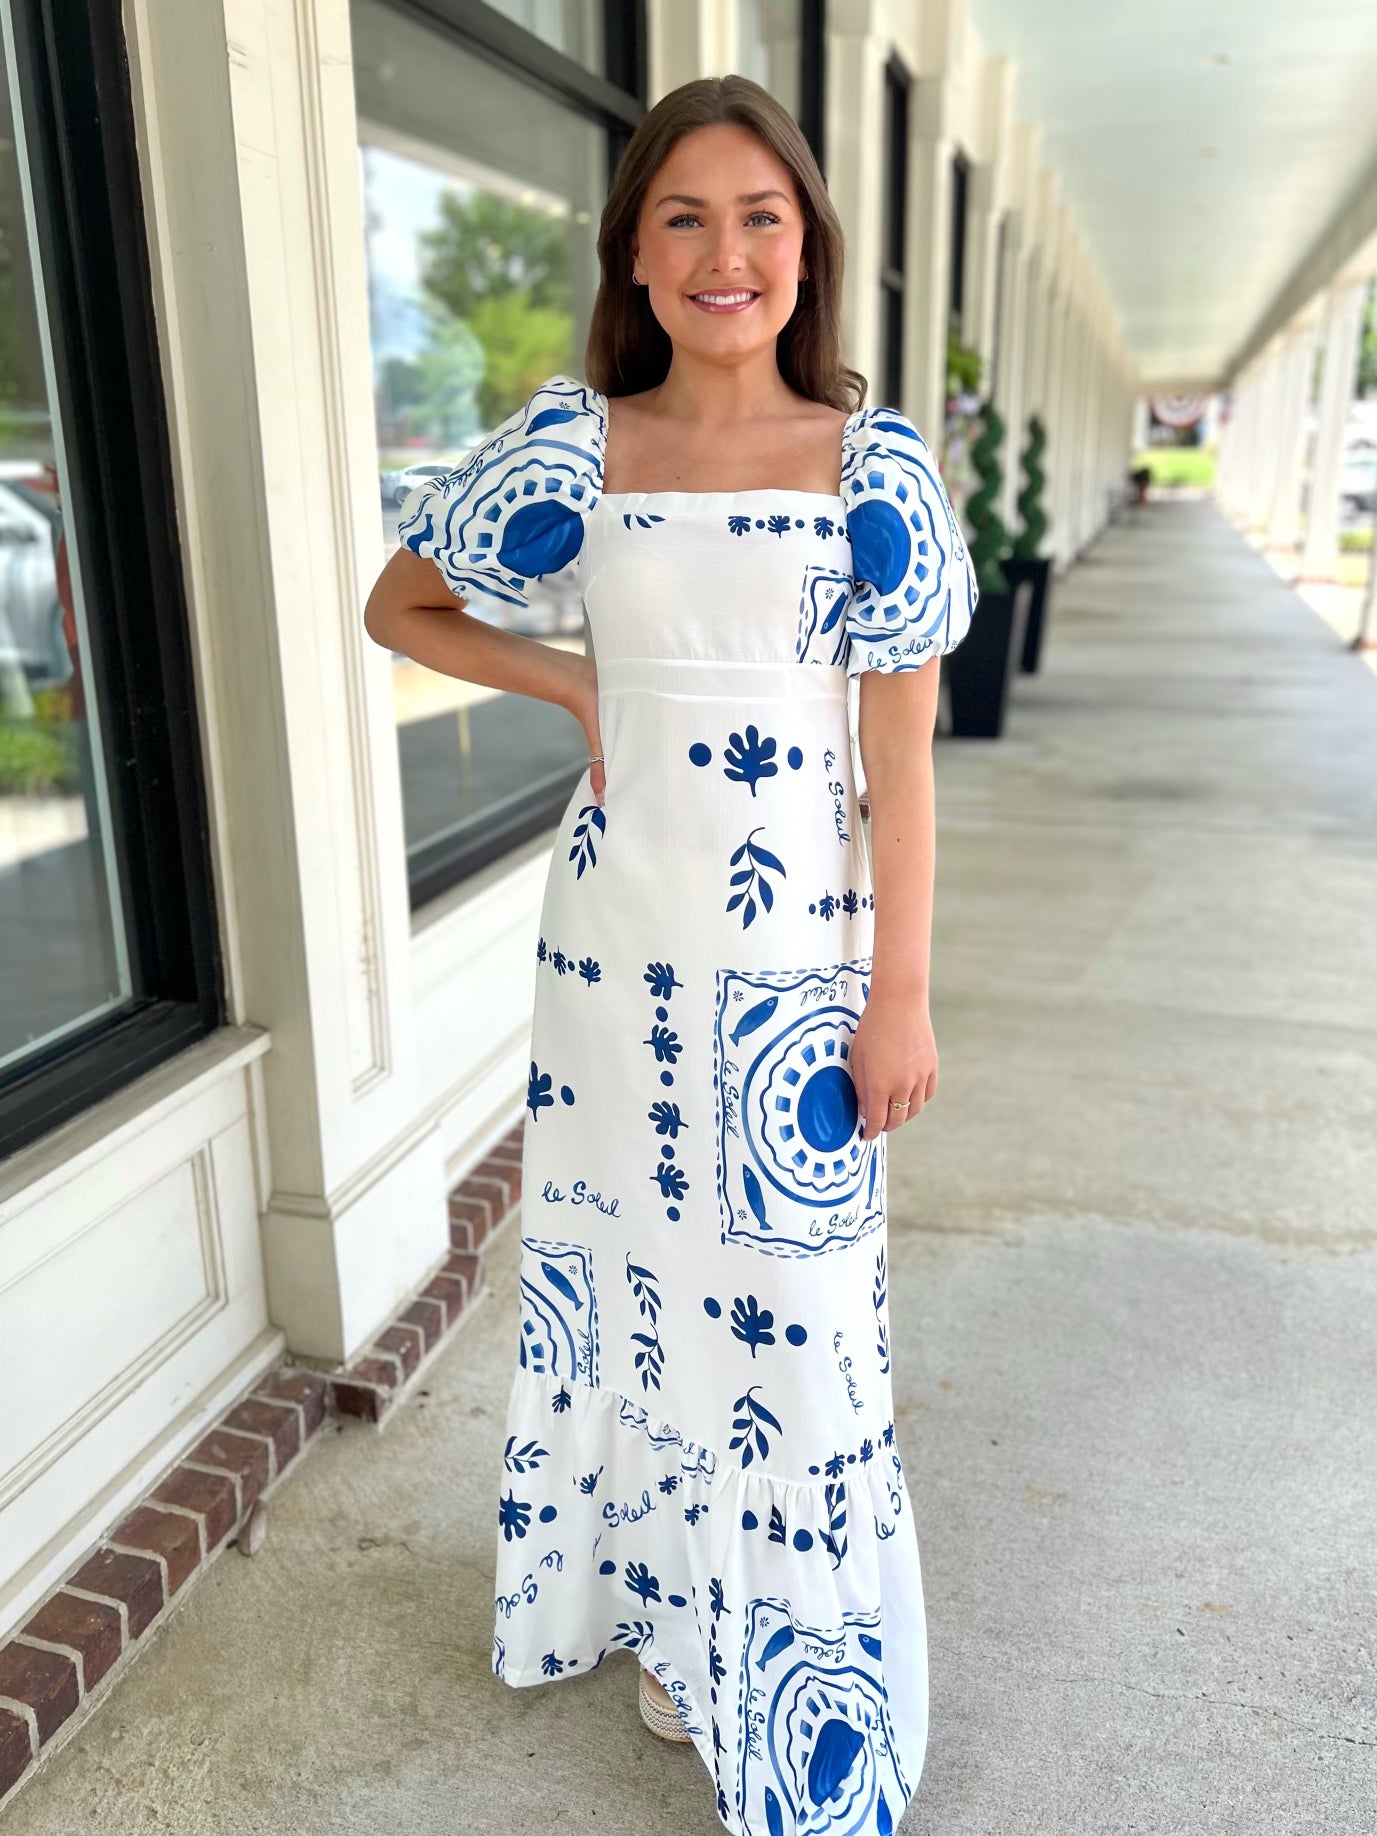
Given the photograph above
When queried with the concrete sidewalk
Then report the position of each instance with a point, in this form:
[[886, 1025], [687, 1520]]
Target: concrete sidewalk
[[1133, 1287]]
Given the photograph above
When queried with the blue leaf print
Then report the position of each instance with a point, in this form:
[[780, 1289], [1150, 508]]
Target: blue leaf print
[[716, 1598], [551, 1665], [823, 525], [595, 817], [752, 879], [650, 1359], [833, 1538], [738, 524], [633, 1634], [561, 1400], [538, 1092], [750, 759], [749, 1424], [590, 971], [541, 951], [667, 1044], [640, 1580], [671, 1180], [588, 1483], [750, 1324], [661, 979], [560, 962], [518, 1459], [777, 1527], [882, 1330], [779, 524], [513, 1516], [667, 1119]]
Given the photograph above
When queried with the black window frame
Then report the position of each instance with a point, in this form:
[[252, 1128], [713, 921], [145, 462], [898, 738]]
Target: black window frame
[[894, 262], [72, 78], [960, 205], [617, 101]]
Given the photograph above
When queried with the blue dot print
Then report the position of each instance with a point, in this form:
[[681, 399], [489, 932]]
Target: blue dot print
[[700, 754]]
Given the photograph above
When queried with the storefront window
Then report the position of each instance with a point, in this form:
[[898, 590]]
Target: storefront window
[[481, 200], [62, 927], [109, 959], [574, 27]]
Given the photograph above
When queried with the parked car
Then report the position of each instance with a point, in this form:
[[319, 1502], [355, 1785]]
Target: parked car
[[30, 609], [405, 481], [1358, 483]]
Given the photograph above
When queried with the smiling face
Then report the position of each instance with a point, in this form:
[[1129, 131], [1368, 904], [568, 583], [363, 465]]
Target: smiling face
[[719, 243]]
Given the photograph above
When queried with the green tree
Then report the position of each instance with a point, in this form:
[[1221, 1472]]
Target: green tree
[[502, 271]]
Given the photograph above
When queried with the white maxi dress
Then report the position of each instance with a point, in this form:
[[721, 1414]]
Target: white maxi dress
[[700, 1463]]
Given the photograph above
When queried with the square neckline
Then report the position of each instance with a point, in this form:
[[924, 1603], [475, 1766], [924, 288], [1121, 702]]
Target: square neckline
[[824, 497]]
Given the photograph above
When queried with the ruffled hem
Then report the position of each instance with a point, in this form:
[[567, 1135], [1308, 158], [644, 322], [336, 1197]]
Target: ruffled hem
[[784, 1616]]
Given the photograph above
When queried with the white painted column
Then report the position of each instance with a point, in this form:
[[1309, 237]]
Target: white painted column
[[855, 172], [1268, 444], [1343, 319], [263, 322], [929, 265], [1283, 511]]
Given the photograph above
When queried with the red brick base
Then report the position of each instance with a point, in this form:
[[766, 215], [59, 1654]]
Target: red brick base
[[73, 1643]]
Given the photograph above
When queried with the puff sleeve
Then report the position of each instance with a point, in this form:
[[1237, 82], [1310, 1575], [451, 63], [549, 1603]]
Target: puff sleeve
[[915, 589], [512, 515]]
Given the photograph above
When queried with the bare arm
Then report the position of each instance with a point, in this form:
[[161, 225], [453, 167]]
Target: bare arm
[[412, 610], [895, 1054]]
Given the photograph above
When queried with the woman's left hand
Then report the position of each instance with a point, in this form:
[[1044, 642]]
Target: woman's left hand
[[893, 1055]]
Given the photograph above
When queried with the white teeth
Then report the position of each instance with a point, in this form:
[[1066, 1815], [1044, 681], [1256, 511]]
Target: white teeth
[[722, 299]]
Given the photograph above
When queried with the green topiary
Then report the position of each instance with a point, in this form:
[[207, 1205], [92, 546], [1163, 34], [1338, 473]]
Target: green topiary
[[1029, 538], [990, 539]]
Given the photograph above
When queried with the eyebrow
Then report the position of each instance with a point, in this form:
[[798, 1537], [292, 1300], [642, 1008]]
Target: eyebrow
[[745, 197]]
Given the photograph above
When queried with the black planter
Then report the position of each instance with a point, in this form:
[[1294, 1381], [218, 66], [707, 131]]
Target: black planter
[[1038, 571], [977, 671]]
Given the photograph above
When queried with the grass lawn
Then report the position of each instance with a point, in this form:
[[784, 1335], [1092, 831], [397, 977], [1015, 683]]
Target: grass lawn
[[1178, 465]]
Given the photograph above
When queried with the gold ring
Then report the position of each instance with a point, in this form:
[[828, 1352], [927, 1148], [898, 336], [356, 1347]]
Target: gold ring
[[896, 1105]]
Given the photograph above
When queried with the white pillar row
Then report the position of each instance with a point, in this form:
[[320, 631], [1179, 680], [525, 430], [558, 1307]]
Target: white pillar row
[[1343, 315], [929, 265], [1089, 488], [1283, 510]]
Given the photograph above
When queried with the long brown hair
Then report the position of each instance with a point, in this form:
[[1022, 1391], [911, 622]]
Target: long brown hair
[[628, 349]]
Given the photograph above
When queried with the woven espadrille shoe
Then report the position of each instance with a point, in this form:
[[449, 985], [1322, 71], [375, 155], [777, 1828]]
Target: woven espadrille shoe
[[661, 1718]]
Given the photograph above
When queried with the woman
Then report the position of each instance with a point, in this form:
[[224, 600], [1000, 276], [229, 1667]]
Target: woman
[[700, 1463]]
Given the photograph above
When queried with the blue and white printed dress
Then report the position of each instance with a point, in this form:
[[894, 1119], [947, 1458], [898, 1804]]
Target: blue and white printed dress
[[701, 1463]]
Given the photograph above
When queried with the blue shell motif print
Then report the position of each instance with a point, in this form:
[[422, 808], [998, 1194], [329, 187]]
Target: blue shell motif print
[[795, 1176], [511, 516], [916, 590], [701, 1473]]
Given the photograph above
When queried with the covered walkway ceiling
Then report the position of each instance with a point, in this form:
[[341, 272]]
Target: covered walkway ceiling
[[1202, 149]]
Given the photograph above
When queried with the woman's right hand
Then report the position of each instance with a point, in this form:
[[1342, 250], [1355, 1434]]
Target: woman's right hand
[[583, 705]]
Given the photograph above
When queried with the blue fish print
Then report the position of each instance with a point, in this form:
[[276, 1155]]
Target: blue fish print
[[561, 1282], [779, 1641], [755, 1198], [754, 1017]]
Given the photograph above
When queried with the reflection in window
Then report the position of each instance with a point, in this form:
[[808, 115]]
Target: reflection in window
[[571, 26], [62, 935], [481, 199], [769, 47]]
